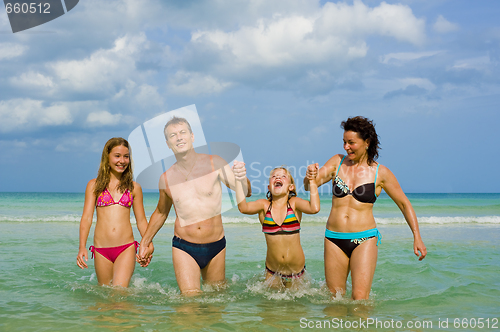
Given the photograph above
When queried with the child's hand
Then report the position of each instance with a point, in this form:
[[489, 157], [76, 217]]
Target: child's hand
[[239, 170], [82, 258], [312, 171]]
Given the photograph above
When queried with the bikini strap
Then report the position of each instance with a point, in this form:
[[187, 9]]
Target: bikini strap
[[376, 173], [270, 205], [338, 168], [92, 249], [375, 185]]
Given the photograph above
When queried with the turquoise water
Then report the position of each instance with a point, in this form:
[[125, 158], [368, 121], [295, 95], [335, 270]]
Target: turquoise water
[[42, 289]]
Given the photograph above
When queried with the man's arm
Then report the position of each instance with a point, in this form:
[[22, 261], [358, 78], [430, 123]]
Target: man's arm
[[157, 218], [228, 177]]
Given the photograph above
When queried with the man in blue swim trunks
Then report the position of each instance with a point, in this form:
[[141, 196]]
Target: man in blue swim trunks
[[193, 186]]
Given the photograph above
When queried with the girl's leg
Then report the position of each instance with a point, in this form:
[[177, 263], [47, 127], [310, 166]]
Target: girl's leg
[[363, 263], [273, 280], [124, 266], [103, 269], [336, 268]]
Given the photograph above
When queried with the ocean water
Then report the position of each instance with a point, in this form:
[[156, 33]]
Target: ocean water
[[457, 287]]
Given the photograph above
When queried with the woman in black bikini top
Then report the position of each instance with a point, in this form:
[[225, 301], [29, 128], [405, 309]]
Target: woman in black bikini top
[[351, 236]]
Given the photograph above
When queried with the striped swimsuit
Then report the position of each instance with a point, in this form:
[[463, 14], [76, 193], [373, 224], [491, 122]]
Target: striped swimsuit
[[290, 224]]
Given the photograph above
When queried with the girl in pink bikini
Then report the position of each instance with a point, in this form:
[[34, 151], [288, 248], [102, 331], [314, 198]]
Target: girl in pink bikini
[[112, 194], [280, 216]]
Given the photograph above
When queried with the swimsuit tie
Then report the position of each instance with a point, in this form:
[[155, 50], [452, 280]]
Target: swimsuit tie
[[92, 248]]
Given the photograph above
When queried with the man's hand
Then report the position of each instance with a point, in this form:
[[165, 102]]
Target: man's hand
[[239, 170]]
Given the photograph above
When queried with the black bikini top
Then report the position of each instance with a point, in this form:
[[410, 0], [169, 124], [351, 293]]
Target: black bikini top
[[364, 193]]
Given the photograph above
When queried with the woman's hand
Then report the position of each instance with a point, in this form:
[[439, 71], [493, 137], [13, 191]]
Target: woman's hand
[[419, 249], [82, 258], [147, 256]]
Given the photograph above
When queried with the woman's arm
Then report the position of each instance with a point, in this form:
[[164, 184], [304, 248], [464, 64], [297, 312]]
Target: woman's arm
[[86, 224], [325, 173], [391, 186], [141, 222]]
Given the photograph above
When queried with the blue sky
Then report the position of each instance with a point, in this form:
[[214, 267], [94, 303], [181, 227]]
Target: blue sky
[[275, 77]]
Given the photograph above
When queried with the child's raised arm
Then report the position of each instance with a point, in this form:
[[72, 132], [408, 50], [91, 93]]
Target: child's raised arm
[[245, 207], [313, 205]]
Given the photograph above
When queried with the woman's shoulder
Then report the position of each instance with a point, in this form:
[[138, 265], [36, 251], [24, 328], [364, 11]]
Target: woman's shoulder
[[91, 183], [384, 173], [335, 160], [332, 163], [137, 188]]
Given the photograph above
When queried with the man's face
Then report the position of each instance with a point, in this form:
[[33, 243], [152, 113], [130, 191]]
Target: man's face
[[179, 139]]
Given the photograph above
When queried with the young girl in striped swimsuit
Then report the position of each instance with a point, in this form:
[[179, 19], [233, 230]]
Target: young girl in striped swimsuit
[[280, 216]]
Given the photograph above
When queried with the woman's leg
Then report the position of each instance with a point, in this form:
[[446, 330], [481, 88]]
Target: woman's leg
[[336, 268], [124, 266], [103, 269], [363, 263]]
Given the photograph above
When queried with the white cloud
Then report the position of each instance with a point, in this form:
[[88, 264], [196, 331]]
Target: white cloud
[[103, 118], [104, 69], [193, 84], [16, 144], [33, 79], [293, 44], [395, 21], [337, 31], [147, 95], [481, 63], [444, 26], [407, 56], [11, 50], [25, 114], [417, 81], [77, 142]]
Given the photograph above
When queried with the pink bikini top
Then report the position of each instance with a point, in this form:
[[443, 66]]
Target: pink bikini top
[[106, 199]]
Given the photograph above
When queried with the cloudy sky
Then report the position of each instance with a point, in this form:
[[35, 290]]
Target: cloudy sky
[[275, 77]]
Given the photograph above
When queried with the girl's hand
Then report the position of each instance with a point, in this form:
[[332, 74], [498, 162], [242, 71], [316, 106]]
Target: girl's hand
[[147, 256], [239, 170], [419, 249], [82, 258], [312, 171]]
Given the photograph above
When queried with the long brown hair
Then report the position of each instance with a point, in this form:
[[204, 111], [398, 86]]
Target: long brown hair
[[292, 192], [103, 175]]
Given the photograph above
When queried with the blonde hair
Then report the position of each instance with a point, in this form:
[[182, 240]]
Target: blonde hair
[[103, 174], [291, 193]]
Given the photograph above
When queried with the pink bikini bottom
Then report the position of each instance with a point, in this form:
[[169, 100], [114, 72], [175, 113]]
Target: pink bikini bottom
[[112, 253]]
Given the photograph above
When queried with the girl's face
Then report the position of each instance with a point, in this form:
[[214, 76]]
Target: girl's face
[[354, 146], [119, 159], [280, 182]]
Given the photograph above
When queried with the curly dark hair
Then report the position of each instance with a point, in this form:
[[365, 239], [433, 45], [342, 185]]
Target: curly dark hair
[[366, 130]]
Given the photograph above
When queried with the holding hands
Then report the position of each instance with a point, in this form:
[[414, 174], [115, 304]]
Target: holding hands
[[144, 256], [312, 171], [239, 170]]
